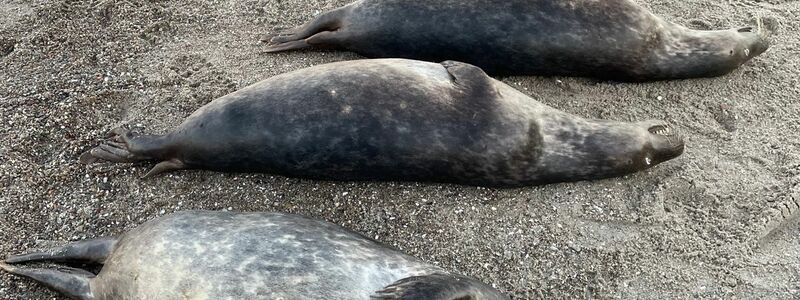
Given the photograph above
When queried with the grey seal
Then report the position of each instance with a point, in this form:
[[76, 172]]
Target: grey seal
[[228, 255], [609, 39], [401, 120]]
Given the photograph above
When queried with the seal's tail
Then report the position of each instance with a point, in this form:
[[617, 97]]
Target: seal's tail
[[123, 147], [118, 148], [92, 251], [320, 31], [74, 283]]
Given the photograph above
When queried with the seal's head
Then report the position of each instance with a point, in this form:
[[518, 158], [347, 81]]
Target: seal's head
[[685, 53], [753, 42], [623, 148], [592, 149]]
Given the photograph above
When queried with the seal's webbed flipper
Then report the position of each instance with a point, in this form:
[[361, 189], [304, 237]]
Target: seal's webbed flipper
[[319, 31], [71, 282], [116, 149], [124, 147], [92, 251], [287, 46], [165, 166], [471, 79], [438, 287]]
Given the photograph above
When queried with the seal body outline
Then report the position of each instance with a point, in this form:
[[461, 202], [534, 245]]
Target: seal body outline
[[229, 255], [396, 120], [610, 39]]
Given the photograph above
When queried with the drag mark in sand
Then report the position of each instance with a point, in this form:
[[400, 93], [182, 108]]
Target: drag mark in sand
[[780, 216]]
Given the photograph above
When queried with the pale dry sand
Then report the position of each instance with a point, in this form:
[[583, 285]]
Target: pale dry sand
[[70, 70]]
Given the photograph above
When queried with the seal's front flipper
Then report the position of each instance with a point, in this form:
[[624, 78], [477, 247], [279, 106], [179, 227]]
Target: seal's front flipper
[[165, 166], [471, 79], [74, 283], [92, 251], [438, 287]]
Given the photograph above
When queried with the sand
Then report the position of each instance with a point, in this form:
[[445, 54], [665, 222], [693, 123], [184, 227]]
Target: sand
[[698, 226]]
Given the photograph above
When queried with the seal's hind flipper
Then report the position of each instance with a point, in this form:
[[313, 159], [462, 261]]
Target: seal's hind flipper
[[292, 45], [92, 251], [265, 38], [310, 34], [116, 149], [74, 283], [124, 147], [437, 287]]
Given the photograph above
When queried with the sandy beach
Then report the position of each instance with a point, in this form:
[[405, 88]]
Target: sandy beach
[[716, 223]]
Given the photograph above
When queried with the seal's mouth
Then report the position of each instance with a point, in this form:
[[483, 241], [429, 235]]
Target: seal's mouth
[[665, 143], [662, 130], [746, 29]]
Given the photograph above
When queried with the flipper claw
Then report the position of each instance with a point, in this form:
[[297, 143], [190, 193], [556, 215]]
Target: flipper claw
[[119, 131], [87, 158]]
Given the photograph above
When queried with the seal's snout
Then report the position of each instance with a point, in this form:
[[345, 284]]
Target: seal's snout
[[666, 143], [755, 41], [760, 46]]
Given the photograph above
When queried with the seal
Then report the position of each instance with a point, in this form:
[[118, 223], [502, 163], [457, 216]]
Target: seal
[[398, 120], [229, 255], [609, 39]]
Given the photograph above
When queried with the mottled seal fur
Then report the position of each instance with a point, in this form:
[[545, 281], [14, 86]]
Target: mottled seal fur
[[227, 255], [397, 119], [609, 39]]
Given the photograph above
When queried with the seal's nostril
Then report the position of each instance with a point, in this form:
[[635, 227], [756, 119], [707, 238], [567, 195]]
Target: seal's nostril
[[746, 29]]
